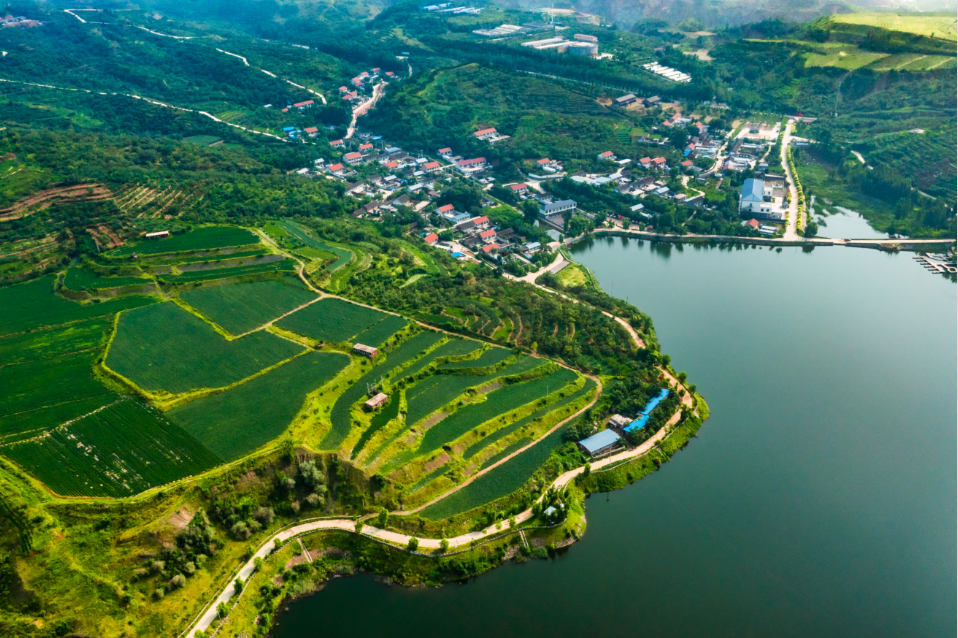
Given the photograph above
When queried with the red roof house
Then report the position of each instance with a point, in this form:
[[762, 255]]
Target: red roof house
[[431, 238]]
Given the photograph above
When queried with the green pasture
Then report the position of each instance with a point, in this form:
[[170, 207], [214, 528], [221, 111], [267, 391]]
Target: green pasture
[[119, 451], [239, 308], [164, 347], [233, 423]]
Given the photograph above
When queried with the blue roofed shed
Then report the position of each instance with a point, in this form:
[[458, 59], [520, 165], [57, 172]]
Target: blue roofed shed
[[640, 422], [600, 443]]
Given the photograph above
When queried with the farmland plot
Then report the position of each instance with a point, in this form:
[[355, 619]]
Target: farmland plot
[[166, 348], [280, 266], [34, 305], [208, 238], [331, 320], [340, 420], [78, 278], [491, 357], [453, 348], [119, 451], [233, 423], [53, 342], [377, 334], [240, 308], [342, 256], [42, 394]]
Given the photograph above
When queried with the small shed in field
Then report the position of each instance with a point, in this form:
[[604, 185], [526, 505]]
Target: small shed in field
[[366, 351], [377, 401]]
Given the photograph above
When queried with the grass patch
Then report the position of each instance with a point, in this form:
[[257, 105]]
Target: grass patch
[[208, 238], [239, 308], [236, 422], [332, 320], [34, 305], [121, 450], [164, 347]]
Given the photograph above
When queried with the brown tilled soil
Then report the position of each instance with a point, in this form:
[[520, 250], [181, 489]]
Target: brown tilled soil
[[442, 459], [45, 199], [431, 421]]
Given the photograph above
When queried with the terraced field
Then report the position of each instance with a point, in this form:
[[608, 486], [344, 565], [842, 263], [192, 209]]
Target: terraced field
[[236, 422], [208, 238], [942, 27], [119, 451], [340, 419], [165, 348], [342, 255], [280, 266], [83, 279], [34, 305], [239, 308]]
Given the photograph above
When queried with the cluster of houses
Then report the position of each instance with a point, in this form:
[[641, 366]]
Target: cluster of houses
[[609, 440], [629, 99], [19, 21]]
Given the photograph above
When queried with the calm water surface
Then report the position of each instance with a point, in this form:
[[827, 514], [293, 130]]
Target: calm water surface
[[818, 500]]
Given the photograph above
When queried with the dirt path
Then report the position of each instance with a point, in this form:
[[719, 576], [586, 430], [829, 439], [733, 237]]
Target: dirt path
[[791, 234], [205, 618]]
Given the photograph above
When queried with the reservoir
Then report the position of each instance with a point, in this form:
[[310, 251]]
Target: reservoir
[[818, 500]]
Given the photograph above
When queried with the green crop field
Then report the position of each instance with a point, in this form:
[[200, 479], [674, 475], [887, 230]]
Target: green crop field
[[281, 266], [504, 452], [164, 347], [34, 305], [239, 308], [377, 334], [331, 320], [42, 394], [82, 279], [340, 421], [942, 27], [208, 238], [498, 402], [429, 395], [913, 62], [238, 421], [119, 451], [296, 231], [491, 357], [204, 259], [501, 433], [452, 348], [502, 481], [53, 342]]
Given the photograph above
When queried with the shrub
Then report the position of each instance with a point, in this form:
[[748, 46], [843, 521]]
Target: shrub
[[176, 582], [157, 566], [189, 568], [264, 515], [159, 592], [413, 544], [314, 500], [240, 531]]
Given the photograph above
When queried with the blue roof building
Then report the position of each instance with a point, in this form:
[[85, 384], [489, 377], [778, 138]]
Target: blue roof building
[[600, 443], [643, 418]]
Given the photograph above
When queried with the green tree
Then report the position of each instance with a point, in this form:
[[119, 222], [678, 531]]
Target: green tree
[[413, 544], [383, 518], [530, 211]]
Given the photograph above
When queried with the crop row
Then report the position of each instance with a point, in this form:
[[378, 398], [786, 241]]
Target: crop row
[[53, 342]]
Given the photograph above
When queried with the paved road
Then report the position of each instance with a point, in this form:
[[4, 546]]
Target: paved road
[[791, 234]]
